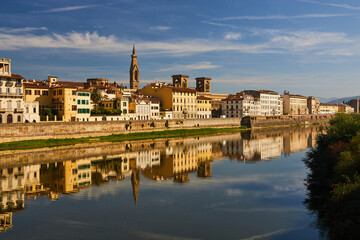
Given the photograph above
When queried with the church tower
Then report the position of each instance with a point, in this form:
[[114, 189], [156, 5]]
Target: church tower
[[134, 71]]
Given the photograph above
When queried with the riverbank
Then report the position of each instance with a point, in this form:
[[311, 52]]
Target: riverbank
[[179, 133]]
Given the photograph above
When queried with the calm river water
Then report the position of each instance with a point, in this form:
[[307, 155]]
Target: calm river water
[[234, 186]]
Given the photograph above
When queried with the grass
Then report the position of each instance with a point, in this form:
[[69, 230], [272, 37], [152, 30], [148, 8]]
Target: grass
[[178, 133]]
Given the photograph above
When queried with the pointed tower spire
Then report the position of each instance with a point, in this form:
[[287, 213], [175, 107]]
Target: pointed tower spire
[[134, 70], [134, 50]]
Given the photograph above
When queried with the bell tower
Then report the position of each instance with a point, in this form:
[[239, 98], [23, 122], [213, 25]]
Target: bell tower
[[203, 84], [134, 71], [180, 81]]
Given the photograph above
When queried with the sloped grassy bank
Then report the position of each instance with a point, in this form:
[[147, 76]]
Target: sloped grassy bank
[[333, 182], [179, 133]]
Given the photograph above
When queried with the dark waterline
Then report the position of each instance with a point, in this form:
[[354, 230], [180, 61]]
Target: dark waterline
[[235, 186]]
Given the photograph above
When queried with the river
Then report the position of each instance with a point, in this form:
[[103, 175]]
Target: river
[[235, 186]]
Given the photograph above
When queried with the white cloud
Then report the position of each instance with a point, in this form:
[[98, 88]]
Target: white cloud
[[280, 42], [196, 66], [232, 36], [280, 17], [344, 5], [65, 9], [160, 28]]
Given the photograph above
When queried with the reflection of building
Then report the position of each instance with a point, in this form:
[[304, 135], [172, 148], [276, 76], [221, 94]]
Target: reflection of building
[[84, 172], [11, 189], [147, 158], [60, 177], [5, 221], [33, 187]]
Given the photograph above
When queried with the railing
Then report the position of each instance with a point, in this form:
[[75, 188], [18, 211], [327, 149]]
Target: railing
[[9, 84], [19, 110], [2, 110], [18, 84]]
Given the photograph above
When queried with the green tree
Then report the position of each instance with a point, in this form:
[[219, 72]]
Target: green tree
[[96, 97]]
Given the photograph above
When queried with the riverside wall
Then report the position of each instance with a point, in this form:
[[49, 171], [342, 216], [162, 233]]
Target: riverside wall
[[46, 130]]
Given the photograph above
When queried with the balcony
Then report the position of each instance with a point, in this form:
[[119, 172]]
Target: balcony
[[2, 110], [19, 110], [9, 84], [5, 94], [18, 84]]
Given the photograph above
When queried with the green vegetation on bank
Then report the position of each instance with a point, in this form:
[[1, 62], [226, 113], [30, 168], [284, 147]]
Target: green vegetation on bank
[[178, 133], [333, 182]]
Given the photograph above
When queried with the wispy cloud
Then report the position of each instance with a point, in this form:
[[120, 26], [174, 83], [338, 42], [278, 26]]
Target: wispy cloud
[[267, 235], [160, 28], [279, 17], [232, 36], [65, 9], [339, 5], [195, 66], [21, 30]]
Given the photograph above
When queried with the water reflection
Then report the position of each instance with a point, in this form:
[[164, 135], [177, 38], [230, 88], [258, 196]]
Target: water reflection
[[28, 175]]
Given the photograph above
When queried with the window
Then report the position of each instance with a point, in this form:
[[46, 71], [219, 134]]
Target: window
[[9, 104], [74, 93], [45, 93], [8, 90], [78, 102], [37, 92], [60, 92]]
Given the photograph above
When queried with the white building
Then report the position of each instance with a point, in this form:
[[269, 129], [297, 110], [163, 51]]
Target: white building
[[148, 158], [11, 94], [270, 101], [147, 109], [31, 111]]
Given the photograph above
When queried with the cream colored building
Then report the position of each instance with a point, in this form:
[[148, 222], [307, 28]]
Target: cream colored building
[[31, 111], [11, 94], [326, 108], [178, 98], [313, 105], [295, 104], [83, 102]]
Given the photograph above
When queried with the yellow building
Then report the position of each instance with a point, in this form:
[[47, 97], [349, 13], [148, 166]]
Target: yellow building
[[38, 91], [64, 101], [203, 105], [178, 98], [107, 104]]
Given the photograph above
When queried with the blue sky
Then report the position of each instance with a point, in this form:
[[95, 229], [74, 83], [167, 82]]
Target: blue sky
[[308, 47]]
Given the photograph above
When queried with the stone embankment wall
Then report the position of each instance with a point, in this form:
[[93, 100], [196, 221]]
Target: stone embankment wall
[[27, 131], [285, 120]]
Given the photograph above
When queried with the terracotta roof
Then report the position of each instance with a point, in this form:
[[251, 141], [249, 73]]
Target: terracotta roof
[[13, 76]]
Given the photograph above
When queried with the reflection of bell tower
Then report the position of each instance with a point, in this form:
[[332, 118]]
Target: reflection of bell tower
[[135, 182], [134, 71], [203, 84], [180, 81], [204, 170]]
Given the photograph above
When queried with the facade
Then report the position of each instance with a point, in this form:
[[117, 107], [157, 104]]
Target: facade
[[31, 111], [123, 105], [83, 102], [295, 104], [147, 109], [38, 91], [203, 107], [344, 108], [326, 108], [241, 106], [313, 105], [64, 102], [134, 71], [270, 101], [11, 94]]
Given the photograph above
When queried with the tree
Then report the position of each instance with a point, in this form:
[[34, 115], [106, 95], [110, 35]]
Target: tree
[[96, 96]]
